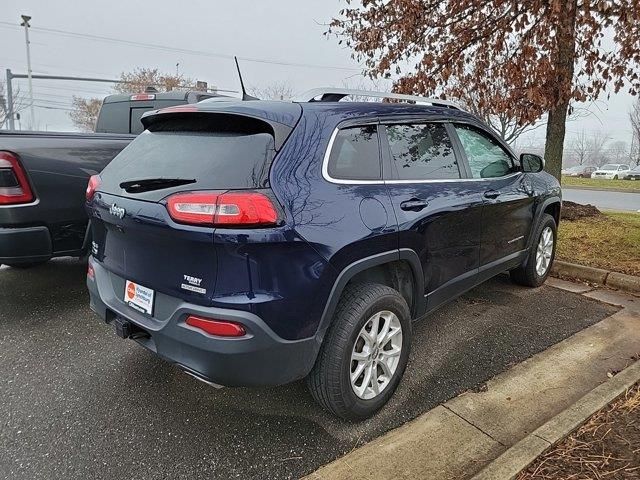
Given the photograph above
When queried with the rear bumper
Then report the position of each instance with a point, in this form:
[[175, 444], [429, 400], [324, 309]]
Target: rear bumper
[[23, 245], [259, 358]]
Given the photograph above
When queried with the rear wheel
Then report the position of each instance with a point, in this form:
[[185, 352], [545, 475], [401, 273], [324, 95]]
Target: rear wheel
[[538, 264], [364, 353]]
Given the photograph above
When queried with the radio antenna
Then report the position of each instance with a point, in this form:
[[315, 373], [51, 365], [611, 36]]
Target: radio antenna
[[245, 95]]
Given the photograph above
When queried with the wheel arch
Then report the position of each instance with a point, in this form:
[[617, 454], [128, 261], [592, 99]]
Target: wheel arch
[[552, 206], [373, 268]]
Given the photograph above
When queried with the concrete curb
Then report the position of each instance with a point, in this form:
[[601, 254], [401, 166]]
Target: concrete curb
[[620, 281], [517, 458]]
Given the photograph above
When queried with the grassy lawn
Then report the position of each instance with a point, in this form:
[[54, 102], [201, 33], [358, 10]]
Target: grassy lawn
[[610, 241], [600, 183]]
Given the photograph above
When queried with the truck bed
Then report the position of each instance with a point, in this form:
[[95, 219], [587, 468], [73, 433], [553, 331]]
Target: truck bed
[[58, 166]]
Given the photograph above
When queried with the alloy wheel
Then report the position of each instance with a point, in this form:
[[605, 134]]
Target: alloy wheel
[[376, 355], [544, 251]]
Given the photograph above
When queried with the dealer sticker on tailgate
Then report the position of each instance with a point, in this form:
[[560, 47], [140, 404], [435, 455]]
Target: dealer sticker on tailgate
[[138, 297]]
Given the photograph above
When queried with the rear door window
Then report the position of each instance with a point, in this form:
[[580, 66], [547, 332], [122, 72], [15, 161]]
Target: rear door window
[[136, 126], [355, 154], [422, 152]]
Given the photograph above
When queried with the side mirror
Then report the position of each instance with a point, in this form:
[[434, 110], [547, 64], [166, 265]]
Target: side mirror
[[531, 163]]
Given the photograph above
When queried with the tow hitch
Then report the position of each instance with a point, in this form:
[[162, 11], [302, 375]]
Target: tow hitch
[[126, 329]]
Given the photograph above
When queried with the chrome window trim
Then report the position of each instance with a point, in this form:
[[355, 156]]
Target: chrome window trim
[[342, 181], [325, 166], [449, 180]]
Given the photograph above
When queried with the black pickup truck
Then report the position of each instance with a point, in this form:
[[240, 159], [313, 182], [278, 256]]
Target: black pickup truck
[[43, 178]]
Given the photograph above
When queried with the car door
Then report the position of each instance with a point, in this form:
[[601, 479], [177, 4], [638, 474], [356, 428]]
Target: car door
[[438, 215], [508, 211], [623, 170]]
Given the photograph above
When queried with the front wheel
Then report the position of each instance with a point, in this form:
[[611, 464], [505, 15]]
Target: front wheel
[[615, 177], [364, 352], [537, 267]]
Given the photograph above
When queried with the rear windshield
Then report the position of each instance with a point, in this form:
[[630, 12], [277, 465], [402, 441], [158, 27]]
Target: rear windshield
[[215, 160], [124, 117]]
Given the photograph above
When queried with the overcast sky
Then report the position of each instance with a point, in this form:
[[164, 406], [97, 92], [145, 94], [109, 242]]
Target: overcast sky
[[283, 32]]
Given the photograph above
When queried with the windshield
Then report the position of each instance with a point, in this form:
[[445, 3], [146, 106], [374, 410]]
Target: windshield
[[609, 166]]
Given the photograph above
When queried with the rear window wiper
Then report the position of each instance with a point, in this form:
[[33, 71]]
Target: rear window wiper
[[150, 184]]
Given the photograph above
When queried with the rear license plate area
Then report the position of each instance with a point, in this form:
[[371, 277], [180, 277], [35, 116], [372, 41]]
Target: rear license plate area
[[139, 297]]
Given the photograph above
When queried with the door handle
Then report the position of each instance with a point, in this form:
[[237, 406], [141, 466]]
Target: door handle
[[492, 194], [414, 205]]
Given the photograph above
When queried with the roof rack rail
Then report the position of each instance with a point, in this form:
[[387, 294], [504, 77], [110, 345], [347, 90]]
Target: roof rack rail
[[330, 94]]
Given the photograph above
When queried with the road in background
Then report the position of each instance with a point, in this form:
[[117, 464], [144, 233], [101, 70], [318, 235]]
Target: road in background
[[603, 199], [78, 402]]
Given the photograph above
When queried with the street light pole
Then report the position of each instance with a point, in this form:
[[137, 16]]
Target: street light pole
[[25, 24], [10, 113]]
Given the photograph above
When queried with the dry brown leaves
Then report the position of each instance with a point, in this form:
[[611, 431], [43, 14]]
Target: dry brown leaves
[[607, 446]]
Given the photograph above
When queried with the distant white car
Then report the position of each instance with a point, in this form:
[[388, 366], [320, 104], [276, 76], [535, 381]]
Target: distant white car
[[611, 171]]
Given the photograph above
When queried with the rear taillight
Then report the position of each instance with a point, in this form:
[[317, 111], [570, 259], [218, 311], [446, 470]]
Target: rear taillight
[[91, 273], [220, 328], [240, 209], [92, 186], [14, 186]]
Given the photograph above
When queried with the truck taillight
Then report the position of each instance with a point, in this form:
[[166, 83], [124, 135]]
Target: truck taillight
[[14, 186], [92, 186], [232, 209]]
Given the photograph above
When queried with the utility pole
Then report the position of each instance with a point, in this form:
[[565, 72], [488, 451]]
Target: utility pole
[[25, 24], [12, 125]]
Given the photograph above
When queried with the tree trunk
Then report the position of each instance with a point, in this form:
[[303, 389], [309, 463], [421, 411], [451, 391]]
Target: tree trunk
[[564, 59], [554, 146]]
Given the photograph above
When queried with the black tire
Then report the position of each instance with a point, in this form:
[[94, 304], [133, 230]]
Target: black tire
[[25, 265], [526, 274], [329, 380], [615, 177]]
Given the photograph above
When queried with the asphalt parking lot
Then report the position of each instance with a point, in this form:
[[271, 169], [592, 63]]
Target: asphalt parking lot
[[78, 402]]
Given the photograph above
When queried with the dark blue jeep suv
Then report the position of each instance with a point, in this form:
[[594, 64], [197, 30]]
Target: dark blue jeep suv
[[257, 242]]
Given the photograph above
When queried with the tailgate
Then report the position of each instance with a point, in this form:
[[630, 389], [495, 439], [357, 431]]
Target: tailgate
[[138, 241], [136, 237]]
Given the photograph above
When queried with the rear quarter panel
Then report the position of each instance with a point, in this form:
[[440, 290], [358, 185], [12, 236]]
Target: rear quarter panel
[[328, 215]]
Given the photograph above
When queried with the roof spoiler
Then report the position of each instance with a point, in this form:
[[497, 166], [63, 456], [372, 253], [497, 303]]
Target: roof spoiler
[[214, 120]]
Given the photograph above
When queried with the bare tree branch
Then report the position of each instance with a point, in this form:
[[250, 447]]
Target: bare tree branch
[[274, 91], [19, 103]]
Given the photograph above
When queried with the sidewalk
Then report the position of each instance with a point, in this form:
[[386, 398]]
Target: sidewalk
[[462, 436]]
